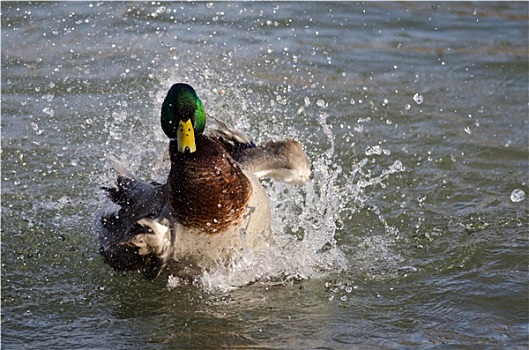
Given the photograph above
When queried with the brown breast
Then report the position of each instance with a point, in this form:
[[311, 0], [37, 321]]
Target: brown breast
[[206, 189]]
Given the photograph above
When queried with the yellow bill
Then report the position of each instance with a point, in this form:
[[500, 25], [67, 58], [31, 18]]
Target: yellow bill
[[185, 137]]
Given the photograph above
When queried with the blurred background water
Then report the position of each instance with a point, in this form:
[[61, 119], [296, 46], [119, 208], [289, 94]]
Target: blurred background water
[[413, 233]]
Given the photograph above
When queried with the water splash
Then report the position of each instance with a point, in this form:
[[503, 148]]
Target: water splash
[[306, 220], [304, 226], [517, 195], [306, 223]]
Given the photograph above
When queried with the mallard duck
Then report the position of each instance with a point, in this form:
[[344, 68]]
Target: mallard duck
[[212, 206]]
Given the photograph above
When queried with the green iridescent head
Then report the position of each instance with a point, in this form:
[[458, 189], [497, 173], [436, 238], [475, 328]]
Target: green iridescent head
[[183, 116]]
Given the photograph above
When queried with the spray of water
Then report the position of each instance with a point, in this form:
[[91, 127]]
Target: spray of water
[[305, 219], [304, 226]]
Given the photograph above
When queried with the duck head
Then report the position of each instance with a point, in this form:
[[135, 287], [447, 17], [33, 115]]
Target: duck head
[[183, 116]]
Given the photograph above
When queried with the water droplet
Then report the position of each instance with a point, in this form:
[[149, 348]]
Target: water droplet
[[307, 101], [418, 98], [397, 166], [64, 200], [119, 117], [321, 103], [517, 195], [373, 150], [49, 111]]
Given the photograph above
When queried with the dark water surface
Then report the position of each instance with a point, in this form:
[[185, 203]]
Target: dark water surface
[[413, 233]]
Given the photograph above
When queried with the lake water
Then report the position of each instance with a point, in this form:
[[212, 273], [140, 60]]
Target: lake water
[[412, 234]]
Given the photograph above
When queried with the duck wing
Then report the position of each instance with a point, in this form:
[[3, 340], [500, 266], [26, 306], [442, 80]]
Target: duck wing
[[281, 160], [117, 221], [229, 136]]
